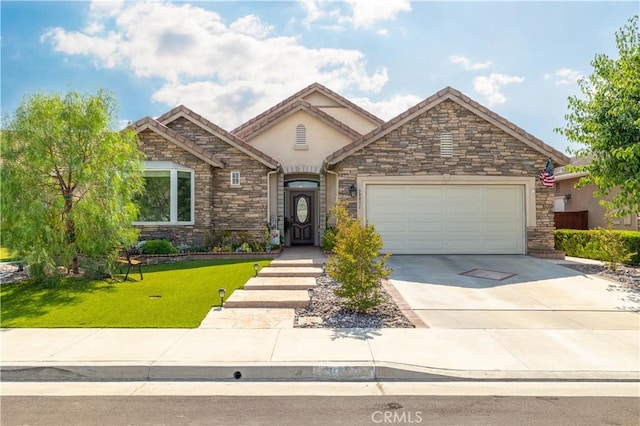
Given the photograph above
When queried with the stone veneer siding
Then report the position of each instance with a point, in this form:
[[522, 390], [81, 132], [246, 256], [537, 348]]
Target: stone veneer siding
[[479, 148], [219, 206]]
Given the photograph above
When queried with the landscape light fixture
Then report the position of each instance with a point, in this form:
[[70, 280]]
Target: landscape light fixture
[[324, 268], [310, 293], [255, 268], [221, 293], [353, 191]]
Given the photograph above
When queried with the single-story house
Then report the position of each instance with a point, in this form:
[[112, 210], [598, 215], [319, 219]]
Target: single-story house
[[578, 208], [446, 176]]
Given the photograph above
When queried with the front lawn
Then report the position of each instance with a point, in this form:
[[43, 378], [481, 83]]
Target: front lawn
[[177, 295]]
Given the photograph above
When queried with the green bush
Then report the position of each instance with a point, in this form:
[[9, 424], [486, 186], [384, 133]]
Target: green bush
[[357, 264], [599, 244], [328, 239], [158, 247]]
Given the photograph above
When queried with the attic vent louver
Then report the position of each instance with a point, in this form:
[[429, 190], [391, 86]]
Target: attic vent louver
[[301, 134], [446, 145]]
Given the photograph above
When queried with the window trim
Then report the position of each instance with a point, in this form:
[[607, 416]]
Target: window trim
[[232, 180], [173, 169]]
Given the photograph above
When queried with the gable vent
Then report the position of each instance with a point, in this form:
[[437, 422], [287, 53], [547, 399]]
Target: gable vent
[[301, 134], [446, 144]]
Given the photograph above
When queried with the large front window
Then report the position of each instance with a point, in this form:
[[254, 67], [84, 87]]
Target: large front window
[[167, 196]]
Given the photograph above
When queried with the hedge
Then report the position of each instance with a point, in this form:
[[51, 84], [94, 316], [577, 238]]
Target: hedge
[[158, 247], [579, 243]]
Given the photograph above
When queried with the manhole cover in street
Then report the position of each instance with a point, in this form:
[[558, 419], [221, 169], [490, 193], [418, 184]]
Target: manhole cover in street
[[488, 275]]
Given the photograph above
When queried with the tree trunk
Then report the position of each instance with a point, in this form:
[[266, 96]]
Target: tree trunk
[[71, 232]]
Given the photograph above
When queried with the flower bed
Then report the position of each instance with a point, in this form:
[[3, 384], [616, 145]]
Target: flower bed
[[179, 257]]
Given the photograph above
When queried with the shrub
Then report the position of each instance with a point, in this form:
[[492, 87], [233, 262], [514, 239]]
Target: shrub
[[328, 239], [158, 247], [600, 244], [356, 264]]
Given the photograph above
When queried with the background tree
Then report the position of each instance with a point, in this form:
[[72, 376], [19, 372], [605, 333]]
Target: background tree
[[67, 180], [607, 123]]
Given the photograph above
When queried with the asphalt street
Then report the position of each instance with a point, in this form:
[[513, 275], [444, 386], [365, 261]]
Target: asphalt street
[[318, 410]]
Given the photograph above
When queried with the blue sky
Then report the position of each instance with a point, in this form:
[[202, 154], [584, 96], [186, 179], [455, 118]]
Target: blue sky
[[229, 61]]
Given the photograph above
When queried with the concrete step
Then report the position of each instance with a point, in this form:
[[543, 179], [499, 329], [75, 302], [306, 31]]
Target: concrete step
[[268, 299], [280, 283], [288, 271], [293, 263], [248, 318]]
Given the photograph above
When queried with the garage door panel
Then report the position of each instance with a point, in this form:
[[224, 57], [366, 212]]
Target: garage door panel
[[425, 227], [438, 219]]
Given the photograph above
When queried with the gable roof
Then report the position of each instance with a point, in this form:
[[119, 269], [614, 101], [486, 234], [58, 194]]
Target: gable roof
[[267, 116], [149, 123], [459, 98], [258, 127], [183, 112]]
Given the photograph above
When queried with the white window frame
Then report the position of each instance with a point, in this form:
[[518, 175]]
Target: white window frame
[[173, 169], [234, 178]]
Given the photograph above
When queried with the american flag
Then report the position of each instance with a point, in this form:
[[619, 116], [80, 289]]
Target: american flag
[[546, 176]]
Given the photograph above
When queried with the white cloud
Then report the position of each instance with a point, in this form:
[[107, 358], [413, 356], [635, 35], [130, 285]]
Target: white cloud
[[362, 14], [103, 8], [564, 76], [250, 25], [389, 108], [367, 13], [225, 72], [467, 64], [490, 86]]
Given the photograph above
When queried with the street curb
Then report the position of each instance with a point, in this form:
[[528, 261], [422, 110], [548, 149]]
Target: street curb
[[303, 371]]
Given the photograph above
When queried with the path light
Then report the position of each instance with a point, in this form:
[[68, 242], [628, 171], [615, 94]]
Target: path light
[[324, 268], [255, 268], [221, 293], [310, 293]]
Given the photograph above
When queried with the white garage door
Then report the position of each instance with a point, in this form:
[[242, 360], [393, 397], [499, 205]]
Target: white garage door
[[448, 219]]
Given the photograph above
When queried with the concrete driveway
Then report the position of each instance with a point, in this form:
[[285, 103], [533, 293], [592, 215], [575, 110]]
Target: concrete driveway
[[503, 291]]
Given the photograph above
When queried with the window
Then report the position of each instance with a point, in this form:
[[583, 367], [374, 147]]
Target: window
[[446, 145], [235, 178], [168, 194], [301, 134]]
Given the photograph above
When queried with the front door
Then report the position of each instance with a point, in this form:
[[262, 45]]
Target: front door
[[302, 218]]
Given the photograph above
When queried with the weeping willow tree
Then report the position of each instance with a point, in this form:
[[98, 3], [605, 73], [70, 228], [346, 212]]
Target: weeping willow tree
[[67, 181]]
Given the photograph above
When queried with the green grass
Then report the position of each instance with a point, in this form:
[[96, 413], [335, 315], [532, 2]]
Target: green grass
[[187, 292]]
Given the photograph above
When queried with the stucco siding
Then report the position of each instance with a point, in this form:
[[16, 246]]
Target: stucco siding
[[279, 141]]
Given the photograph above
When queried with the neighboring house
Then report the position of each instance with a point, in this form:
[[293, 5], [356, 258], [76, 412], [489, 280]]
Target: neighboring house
[[446, 176], [579, 208]]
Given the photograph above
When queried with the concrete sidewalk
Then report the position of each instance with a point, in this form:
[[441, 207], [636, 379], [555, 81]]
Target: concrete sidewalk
[[319, 354]]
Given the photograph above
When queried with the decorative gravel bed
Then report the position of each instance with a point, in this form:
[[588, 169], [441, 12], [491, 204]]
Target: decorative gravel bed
[[9, 273], [326, 311], [627, 275]]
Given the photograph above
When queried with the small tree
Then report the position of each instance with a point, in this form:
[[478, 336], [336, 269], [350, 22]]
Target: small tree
[[612, 246], [606, 123], [67, 181], [357, 264]]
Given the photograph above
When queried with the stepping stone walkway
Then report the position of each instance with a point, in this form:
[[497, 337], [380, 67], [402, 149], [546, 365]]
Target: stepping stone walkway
[[268, 300]]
